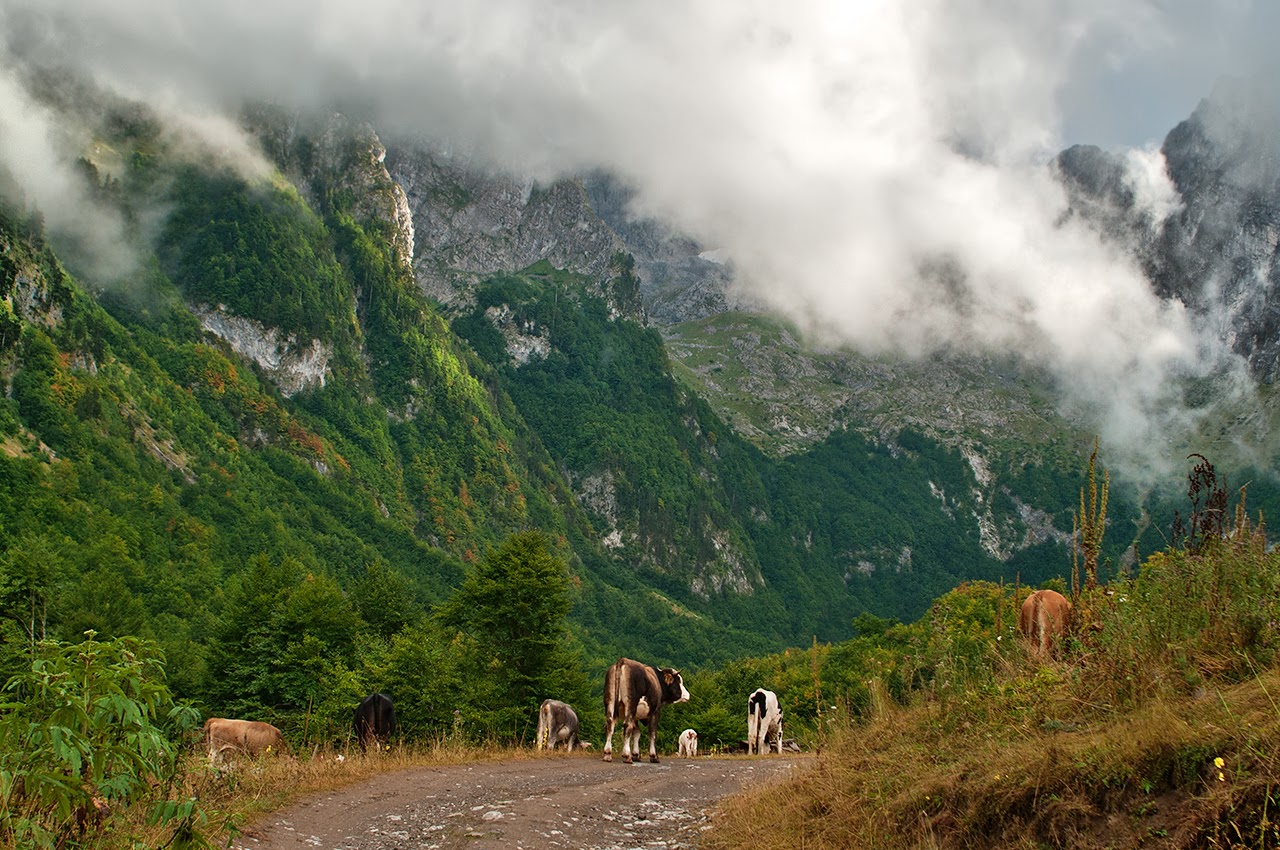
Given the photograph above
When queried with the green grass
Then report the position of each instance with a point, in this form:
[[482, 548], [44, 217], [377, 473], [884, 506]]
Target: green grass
[[1157, 724]]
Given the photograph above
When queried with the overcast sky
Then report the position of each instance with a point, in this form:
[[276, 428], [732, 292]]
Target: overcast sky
[[874, 169]]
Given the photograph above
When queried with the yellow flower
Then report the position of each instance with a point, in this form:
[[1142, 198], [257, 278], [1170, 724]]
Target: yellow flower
[[1221, 778], [1218, 762]]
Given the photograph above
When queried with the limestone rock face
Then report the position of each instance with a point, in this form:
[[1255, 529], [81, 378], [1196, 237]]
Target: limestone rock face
[[292, 365], [471, 223], [680, 280], [342, 157]]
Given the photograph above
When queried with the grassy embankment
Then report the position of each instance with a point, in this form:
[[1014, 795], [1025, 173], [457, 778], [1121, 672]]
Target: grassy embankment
[[1156, 724]]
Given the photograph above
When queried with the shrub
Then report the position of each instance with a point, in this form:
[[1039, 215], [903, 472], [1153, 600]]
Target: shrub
[[88, 729]]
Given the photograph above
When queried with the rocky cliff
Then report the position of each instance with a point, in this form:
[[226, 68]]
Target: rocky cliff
[[472, 223], [680, 279], [1216, 252]]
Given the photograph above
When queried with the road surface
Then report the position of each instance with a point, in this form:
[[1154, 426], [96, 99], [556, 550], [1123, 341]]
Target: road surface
[[551, 801]]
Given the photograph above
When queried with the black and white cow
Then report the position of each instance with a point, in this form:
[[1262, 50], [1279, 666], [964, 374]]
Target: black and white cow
[[637, 692], [557, 724], [764, 721], [375, 721]]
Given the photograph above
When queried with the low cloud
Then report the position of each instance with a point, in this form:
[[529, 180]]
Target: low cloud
[[875, 170], [38, 151]]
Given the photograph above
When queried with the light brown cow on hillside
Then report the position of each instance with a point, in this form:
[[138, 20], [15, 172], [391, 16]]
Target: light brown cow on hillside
[[249, 737], [1044, 619]]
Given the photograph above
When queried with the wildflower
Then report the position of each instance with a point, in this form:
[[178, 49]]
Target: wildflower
[[340, 757], [1221, 778], [1219, 763], [997, 776]]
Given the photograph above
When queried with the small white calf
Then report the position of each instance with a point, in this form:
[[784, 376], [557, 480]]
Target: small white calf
[[688, 744]]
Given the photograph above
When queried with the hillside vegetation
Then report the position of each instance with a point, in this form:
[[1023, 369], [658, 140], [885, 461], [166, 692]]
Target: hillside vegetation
[[270, 476], [1156, 722]]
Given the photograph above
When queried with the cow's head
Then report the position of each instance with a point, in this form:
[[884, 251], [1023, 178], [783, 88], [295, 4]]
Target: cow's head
[[673, 689]]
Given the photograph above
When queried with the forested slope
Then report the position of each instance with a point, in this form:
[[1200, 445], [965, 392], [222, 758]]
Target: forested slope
[[264, 442]]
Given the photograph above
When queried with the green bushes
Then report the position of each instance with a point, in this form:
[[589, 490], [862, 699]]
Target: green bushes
[[89, 728]]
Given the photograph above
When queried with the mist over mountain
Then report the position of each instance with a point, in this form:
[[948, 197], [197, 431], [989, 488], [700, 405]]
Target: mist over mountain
[[874, 174]]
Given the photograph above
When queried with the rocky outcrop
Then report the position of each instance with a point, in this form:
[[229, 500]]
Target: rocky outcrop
[[342, 160], [680, 279], [291, 365], [1217, 253], [471, 224]]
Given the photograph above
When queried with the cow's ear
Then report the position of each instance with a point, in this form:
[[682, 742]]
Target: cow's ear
[[667, 677]]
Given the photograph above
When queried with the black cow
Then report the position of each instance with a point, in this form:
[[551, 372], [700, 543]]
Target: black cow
[[635, 692], [375, 721]]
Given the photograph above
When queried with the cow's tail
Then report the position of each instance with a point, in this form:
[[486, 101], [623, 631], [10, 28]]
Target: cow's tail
[[544, 725], [1042, 621]]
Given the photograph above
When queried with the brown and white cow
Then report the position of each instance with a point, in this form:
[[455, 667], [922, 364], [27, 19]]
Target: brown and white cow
[[764, 721], [637, 692], [557, 724], [689, 744], [249, 737], [1044, 618]]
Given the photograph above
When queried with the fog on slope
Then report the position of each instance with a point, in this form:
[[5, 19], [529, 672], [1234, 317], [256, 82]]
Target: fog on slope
[[874, 169]]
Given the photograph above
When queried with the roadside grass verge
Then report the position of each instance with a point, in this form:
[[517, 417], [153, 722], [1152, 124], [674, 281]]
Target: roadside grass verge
[[929, 776], [1157, 723], [236, 795]]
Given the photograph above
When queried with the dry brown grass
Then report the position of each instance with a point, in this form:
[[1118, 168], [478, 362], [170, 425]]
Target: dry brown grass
[[1003, 773], [247, 789]]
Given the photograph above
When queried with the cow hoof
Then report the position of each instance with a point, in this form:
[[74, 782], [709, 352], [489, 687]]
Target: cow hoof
[[627, 760], [608, 757], [653, 759]]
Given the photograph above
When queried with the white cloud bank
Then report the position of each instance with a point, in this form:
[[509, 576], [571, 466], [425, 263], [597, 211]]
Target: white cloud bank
[[875, 169]]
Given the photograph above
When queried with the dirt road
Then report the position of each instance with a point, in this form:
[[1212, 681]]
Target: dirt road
[[554, 801]]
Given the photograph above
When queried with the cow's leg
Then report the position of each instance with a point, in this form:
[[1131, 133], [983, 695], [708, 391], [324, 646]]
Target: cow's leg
[[628, 734], [653, 737], [217, 754], [609, 721]]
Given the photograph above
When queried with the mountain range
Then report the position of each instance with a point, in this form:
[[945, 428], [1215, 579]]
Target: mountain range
[[366, 358]]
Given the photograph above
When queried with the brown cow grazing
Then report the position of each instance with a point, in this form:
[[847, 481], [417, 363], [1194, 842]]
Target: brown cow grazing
[[1044, 619], [635, 692], [249, 737]]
